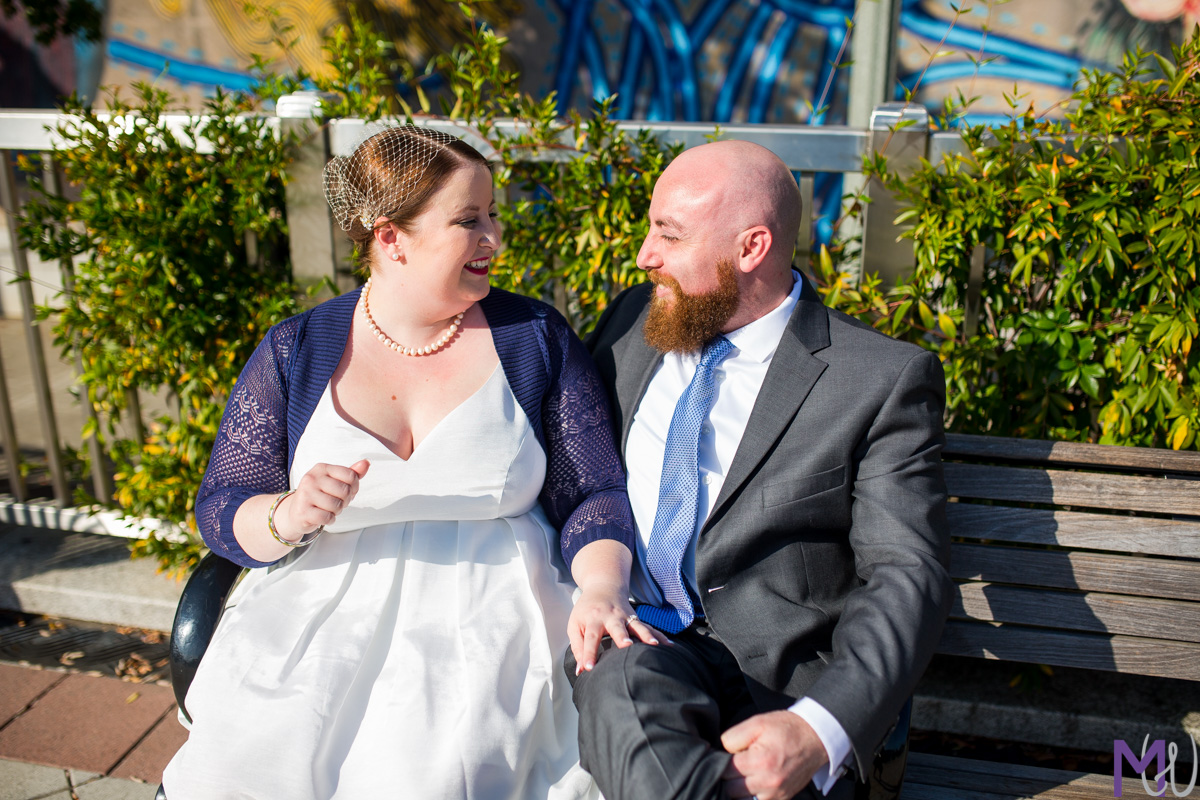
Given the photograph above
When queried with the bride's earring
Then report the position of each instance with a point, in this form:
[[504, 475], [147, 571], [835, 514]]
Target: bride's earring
[[395, 256]]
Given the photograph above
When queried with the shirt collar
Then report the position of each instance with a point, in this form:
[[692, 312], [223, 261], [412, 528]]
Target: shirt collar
[[758, 340]]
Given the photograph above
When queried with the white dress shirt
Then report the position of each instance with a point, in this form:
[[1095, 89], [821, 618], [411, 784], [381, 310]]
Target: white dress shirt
[[738, 380]]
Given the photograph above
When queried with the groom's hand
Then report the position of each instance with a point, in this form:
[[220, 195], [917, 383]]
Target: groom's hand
[[774, 756]]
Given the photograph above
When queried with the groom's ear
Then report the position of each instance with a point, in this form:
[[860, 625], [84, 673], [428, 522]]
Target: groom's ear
[[753, 245]]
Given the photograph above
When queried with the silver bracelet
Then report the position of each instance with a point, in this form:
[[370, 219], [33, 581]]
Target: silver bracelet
[[305, 541]]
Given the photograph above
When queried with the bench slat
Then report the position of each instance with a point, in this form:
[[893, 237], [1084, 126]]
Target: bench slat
[[1083, 489], [1113, 653], [1007, 780], [911, 790], [1163, 537], [1093, 531], [1093, 612], [1033, 451], [921, 783], [1092, 572]]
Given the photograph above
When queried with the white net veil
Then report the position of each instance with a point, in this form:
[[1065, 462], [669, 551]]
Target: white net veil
[[377, 178]]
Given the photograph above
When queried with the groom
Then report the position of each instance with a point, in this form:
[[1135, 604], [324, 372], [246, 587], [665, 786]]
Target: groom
[[783, 464]]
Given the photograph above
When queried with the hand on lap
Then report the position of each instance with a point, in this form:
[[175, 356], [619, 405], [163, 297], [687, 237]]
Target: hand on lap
[[774, 756], [605, 611]]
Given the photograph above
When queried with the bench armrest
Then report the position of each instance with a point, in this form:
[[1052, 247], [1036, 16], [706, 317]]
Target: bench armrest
[[196, 617]]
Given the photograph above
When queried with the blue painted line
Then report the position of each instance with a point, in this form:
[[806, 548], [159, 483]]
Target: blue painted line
[[931, 28], [594, 56], [179, 69], [996, 69], [662, 105], [707, 19], [684, 59], [830, 16], [631, 72], [727, 97], [768, 73], [988, 120], [577, 16]]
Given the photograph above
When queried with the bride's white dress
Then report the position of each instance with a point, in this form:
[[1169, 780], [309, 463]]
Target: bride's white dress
[[412, 651]]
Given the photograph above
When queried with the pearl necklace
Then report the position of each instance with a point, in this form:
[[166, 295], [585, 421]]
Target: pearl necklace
[[399, 348]]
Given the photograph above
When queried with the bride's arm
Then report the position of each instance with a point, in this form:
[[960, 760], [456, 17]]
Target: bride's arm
[[584, 497], [248, 464], [247, 471]]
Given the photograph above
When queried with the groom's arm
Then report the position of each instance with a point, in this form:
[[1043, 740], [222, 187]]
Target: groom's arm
[[889, 625]]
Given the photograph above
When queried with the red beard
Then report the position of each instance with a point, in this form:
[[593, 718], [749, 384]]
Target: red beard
[[691, 320]]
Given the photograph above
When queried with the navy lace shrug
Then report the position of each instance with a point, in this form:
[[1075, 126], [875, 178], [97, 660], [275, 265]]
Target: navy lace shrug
[[547, 367]]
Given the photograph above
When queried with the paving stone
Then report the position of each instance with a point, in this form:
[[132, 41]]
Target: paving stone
[[85, 722], [79, 777], [24, 781], [149, 758], [114, 789], [20, 686]]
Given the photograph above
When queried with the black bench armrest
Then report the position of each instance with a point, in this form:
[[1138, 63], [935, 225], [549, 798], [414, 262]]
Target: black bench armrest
[[196, 616]]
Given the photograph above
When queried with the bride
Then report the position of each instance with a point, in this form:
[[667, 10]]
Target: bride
[[424, 473]]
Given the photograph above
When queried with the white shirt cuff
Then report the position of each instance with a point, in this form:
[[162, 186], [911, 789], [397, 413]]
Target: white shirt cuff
[[833, 737]]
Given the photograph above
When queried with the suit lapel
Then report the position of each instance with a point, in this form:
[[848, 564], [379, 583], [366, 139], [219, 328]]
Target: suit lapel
[[637, 366], [793, 372]]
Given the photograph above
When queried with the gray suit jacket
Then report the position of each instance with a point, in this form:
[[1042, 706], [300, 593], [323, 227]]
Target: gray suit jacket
[[823, 564]]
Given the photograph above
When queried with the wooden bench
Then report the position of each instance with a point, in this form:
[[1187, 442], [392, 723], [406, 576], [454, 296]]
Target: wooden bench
[[1069, 555]]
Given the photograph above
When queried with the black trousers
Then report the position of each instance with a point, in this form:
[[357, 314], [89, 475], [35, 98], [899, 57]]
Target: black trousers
[[651, 717]]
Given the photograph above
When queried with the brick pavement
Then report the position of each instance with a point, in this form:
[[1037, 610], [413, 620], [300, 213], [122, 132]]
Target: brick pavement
[[94, 725]]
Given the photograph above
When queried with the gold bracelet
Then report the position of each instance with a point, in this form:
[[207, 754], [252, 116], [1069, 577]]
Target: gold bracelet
[[305, 541]]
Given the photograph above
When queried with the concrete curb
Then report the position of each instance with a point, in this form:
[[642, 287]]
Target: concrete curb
[[84, 576]]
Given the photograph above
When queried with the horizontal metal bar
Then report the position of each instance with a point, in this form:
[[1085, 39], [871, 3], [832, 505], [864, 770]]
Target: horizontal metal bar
[[38, 130], [807, 148], [944, 143], [802, 147]]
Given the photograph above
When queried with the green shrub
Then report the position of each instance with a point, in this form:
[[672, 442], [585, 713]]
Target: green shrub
[[181, 264], [1089, 293]]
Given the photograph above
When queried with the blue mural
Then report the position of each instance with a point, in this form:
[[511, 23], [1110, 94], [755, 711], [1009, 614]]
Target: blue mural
[[660, 53]]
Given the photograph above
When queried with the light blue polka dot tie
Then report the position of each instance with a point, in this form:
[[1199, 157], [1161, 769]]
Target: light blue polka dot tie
[[675, 518]]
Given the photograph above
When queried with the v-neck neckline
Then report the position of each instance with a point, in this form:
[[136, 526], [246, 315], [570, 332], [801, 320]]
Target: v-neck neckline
[[436, 427]]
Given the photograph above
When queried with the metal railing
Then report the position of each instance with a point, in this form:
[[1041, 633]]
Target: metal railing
[[319, 251]]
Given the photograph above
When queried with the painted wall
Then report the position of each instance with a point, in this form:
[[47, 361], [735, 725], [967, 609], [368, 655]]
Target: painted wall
[[720, 60]]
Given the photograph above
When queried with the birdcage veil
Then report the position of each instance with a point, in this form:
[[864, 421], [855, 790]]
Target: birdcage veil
[[357, 189]]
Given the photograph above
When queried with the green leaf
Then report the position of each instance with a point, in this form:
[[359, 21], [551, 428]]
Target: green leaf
[[947, 325]]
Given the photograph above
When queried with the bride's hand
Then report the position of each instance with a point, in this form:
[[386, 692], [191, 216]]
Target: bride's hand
[[322, 494], [605, 610]]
